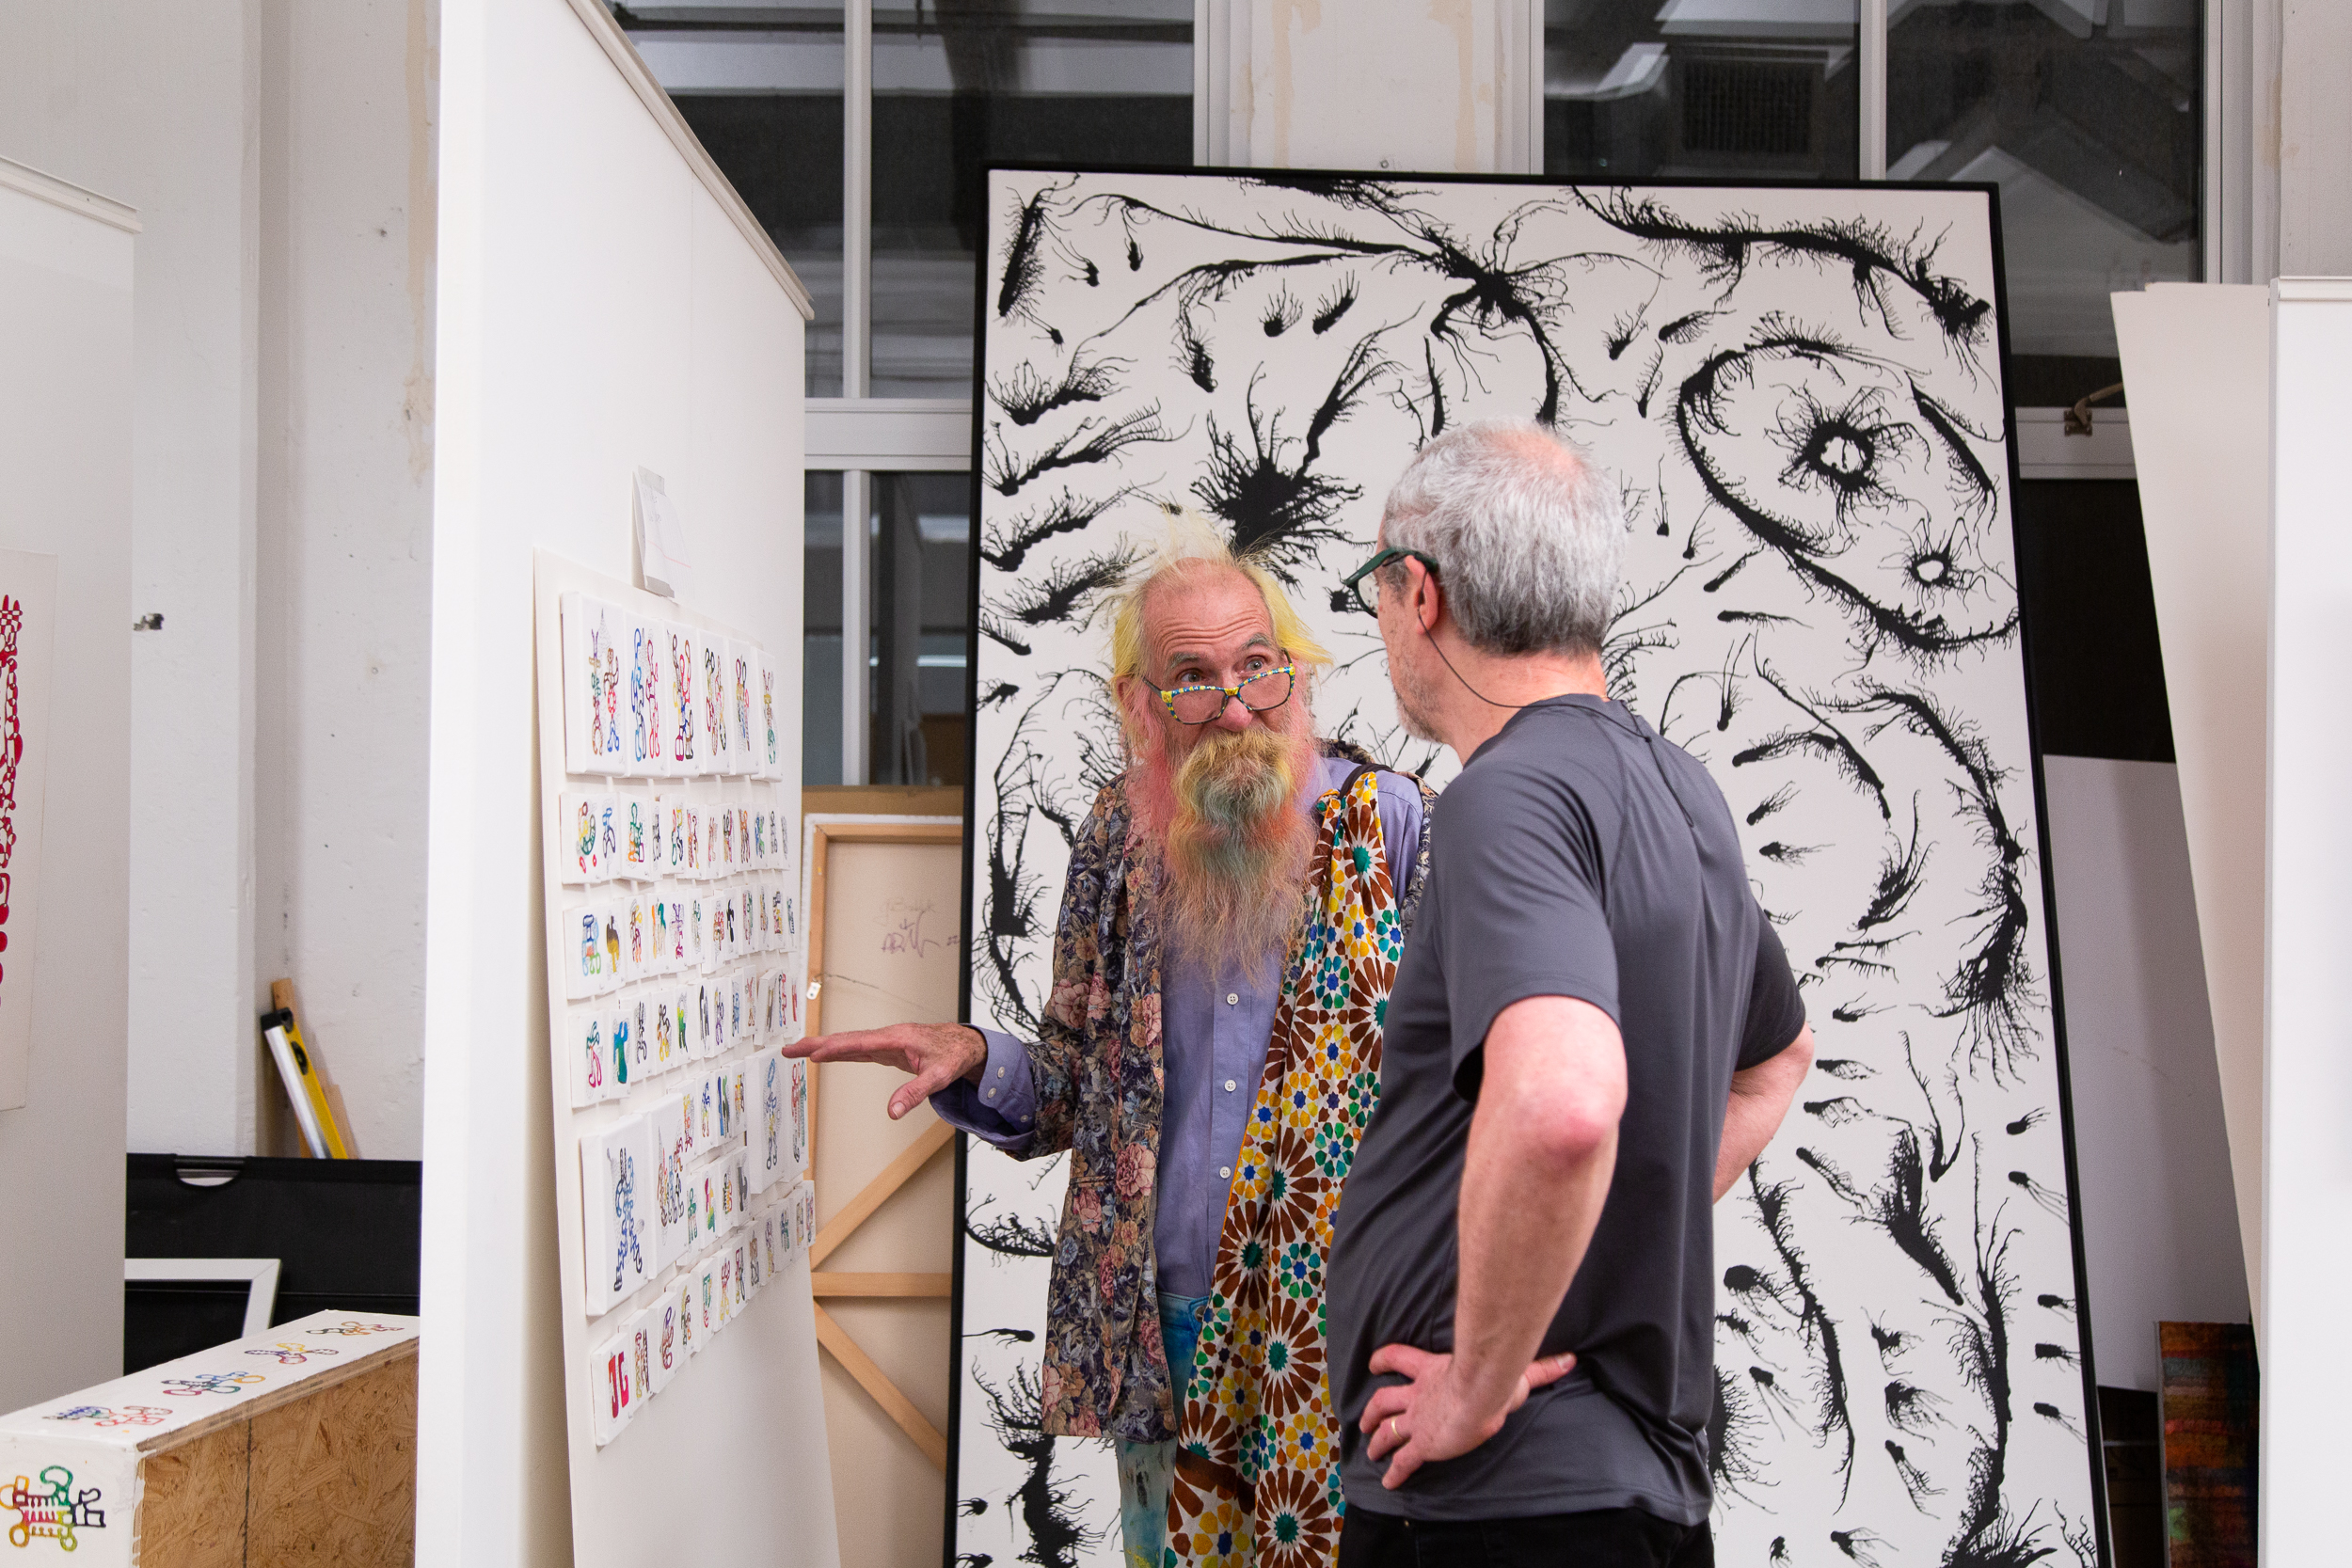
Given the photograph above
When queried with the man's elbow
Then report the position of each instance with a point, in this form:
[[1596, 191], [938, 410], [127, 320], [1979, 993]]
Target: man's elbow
[[1564, 1132], [1798, 1059]]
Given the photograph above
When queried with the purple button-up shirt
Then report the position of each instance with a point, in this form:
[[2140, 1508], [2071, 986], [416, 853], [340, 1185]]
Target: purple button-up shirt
[[1215, 1024]]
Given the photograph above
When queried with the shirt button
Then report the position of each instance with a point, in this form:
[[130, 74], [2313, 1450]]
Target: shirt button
[[991, 1095], [1225, 1173], [1233, 998], [1229, 1086], [1000, 1072]]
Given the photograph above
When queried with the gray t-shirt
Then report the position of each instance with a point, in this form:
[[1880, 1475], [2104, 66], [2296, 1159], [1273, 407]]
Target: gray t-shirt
[[1578, 854]]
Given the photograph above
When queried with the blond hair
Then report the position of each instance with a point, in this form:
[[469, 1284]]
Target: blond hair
[[1196, 548]]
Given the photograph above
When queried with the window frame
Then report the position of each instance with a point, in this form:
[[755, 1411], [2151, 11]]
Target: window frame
[[858, 436]]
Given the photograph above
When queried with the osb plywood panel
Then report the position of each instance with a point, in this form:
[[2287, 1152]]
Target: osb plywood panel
[[335, 1475], [191, 1513]]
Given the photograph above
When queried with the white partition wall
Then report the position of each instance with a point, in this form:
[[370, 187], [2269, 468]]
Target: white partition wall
[[65, 695], [2307, 1109], [605, 304]]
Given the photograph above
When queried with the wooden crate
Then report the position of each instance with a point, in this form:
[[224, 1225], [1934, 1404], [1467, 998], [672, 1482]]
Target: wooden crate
[[295, 1446]]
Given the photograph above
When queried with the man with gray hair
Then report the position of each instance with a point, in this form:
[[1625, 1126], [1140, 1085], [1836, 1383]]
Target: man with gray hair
[[1593, 1031]]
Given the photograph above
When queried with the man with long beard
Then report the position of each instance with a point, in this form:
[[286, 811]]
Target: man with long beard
[[1211, 1106]]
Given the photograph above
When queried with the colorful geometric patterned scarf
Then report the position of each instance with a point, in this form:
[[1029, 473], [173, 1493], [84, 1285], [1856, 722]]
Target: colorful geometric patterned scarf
[[1257, 1462]]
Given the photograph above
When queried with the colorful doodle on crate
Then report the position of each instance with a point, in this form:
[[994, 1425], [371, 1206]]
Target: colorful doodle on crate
[[51, 1508], [292, 1353], [355, 1329], [194, 1384], [100, 1416]]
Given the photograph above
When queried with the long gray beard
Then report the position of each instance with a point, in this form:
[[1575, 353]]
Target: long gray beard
[[1236, 850]]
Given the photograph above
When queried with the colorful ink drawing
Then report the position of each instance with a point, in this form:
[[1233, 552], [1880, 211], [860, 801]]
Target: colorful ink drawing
[[80, 1413], [685, 752], [772, 1109], [591, 953], [626, 1253], [670, 1194], [799, 1116], [196, 1383], [351, 1328], [645, 694], [744, 709], [291, 1354], [715, 708], [584, 838], [620, 1048], [773, 751], [51, 1509]]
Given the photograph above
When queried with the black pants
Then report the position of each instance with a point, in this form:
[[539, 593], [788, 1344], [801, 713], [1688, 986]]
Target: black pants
[[1604, 1537]]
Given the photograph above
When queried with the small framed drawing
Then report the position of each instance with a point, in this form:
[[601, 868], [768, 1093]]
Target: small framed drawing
[[258, 1274]]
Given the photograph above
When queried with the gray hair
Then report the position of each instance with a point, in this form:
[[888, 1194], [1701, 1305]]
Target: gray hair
[[1526, 532]]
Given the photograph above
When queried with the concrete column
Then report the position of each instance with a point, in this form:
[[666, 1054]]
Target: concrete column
[[1441, 85], [345, 502]]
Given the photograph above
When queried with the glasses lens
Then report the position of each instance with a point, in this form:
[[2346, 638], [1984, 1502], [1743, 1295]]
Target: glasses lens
[[1196, 704], [1366, 586], [1271, 690]]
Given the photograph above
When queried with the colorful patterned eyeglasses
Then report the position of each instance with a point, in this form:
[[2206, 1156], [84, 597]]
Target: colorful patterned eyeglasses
[[1200, 705]]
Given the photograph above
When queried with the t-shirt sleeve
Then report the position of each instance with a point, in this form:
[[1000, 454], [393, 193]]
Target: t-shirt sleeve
[[1775, 1009], [1522, 912]]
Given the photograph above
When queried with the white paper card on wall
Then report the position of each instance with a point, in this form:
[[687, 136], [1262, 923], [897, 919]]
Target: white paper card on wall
[[593, 673], [669, 1346], [584, 1039], [684, 702], [616, 1172], [772, 743], [584, 961], [718, 755], [745, 673], [667, 1124], [645, 654], [665, 566], [683, 1292], [798, 1092], [615, 1381], [582, 824], [641, 1332]]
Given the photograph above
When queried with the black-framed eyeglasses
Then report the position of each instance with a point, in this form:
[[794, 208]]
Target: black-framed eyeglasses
[[1200, 705], [1354, 585]]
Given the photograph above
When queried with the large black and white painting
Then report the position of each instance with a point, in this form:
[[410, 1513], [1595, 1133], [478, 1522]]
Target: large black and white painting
[[1799, 392]]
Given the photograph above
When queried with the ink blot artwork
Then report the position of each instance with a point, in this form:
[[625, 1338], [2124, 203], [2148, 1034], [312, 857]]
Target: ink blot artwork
[[1798, 395]]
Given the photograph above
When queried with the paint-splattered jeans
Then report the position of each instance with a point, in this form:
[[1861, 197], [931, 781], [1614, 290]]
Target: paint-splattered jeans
[[1145, 1469]]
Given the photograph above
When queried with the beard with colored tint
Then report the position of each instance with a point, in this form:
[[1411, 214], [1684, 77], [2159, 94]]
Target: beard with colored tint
[[1235, 838]]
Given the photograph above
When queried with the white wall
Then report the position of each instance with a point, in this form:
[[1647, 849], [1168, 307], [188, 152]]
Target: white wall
[[65, 445], [345, 504], [277, 153], [2160, 1231], [597, 311], [154, 104], [2307, 1088]]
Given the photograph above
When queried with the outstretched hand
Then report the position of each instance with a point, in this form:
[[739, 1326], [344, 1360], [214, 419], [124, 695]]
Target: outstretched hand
[[932, 1054], [1428, 1418]]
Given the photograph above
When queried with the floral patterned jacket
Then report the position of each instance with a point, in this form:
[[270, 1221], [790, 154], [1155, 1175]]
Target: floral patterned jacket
[[1098, 1076]]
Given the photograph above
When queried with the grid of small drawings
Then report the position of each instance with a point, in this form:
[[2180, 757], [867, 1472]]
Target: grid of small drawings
[[685, 968]]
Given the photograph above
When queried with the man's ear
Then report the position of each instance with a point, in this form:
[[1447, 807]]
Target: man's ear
[[1428, 602]]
